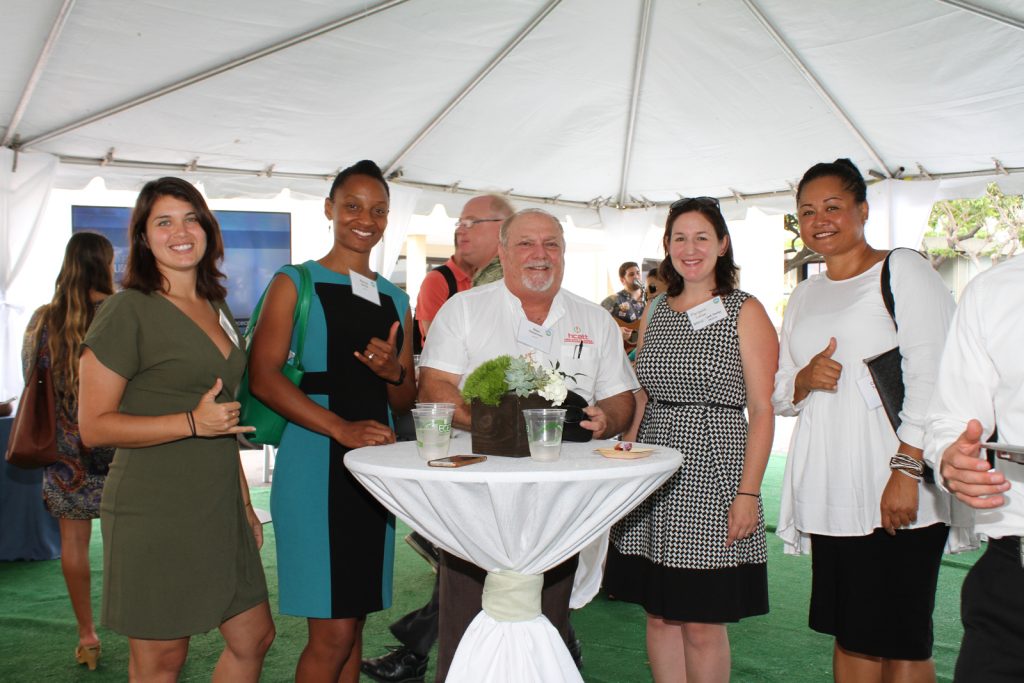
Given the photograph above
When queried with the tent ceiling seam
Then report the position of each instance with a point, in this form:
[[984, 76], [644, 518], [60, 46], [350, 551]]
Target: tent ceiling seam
[[817, 85], [215, 71], [192, 167], [987, 13], [393, 167], [37, 71], [638, 74]]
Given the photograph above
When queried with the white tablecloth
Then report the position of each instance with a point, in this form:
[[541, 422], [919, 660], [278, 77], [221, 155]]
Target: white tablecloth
[[511, 514]]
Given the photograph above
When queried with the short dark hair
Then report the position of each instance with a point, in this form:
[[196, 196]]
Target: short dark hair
[[365, 167], [141, 271], [726, 270], [843, 169], [626, 266]]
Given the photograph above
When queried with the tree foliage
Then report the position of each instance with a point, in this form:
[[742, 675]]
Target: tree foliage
[[990, 226]]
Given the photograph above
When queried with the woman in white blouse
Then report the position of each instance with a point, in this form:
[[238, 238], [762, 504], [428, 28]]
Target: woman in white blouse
[[875, 531]]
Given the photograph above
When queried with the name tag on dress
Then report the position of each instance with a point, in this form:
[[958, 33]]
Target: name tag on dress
[[535, 336], [228, 328], [364, 287], [869, 393], [708, 313]]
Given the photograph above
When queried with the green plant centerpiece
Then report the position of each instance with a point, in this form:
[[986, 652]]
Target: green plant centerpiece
[[499, 390]]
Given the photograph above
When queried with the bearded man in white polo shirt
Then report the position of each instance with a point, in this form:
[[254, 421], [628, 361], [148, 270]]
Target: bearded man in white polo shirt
[[526, 312]]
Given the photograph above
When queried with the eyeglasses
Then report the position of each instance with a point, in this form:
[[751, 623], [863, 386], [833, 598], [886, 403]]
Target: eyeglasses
[[463, 223], [704, 201]]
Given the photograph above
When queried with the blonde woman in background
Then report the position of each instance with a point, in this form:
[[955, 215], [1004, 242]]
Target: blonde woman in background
[[72, 486]]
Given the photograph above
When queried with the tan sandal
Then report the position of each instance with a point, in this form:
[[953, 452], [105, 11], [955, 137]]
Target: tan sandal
[[88, 655]]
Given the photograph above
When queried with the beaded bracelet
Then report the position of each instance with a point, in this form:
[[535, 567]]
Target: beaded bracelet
[[907, 466]]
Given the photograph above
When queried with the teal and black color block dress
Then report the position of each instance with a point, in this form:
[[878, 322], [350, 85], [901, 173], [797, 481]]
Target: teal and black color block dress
[[335, 542]]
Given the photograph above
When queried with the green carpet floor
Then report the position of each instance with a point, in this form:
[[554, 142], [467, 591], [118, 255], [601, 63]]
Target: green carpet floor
[[37, 632]]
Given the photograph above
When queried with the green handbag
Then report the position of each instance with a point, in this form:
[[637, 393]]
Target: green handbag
[[269, 425]]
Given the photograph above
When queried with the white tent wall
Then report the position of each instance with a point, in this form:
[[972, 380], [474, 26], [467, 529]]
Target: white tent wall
[[24, 245]]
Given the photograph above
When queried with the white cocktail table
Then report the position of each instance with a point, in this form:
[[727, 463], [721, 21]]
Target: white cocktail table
[[511, 516]]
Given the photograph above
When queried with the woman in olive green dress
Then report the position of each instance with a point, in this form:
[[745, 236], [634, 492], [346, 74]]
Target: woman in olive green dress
[[158, 374]]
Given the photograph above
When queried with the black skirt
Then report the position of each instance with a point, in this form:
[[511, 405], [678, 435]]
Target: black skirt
[[707, 596]]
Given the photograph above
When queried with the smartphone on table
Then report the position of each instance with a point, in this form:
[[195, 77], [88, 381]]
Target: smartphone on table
[[456, 460]]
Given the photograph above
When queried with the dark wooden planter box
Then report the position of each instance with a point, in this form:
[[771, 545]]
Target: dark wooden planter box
[[501, 430]]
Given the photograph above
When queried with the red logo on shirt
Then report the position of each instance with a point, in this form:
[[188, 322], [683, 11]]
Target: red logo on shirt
[[577, 338]]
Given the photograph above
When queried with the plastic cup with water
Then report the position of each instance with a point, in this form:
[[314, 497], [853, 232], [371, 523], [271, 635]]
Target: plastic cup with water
[[433, 431], [544, 432]]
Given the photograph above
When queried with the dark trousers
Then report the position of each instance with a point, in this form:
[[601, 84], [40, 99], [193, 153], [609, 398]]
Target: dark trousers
[[461, 588], [417, 630], [992, 610]]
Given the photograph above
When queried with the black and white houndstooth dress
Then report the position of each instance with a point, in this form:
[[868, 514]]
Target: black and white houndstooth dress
[[669, 554]]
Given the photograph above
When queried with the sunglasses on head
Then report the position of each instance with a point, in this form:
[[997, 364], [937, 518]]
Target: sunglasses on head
[[703, 201]]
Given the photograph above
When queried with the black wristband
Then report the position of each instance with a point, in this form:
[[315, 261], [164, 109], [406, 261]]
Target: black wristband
[[400, 380], [744, 493]]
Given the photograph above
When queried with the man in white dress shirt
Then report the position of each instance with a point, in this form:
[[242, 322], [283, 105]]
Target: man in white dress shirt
[[980, 389], [526, 312]]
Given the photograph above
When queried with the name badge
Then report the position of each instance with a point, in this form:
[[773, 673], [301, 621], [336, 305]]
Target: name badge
[[364, 287], [868, 392], [708, 313], [228, 328], [535, 336]]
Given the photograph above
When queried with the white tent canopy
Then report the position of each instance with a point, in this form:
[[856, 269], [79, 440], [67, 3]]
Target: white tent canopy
[[605, 109], [621, 102]]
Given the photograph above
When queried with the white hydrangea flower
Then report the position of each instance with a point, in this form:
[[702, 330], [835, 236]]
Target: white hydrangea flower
[[554, 389]]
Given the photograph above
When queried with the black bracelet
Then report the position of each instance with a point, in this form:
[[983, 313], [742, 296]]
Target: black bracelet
[[744, 493], [401, 378], [191, 422]]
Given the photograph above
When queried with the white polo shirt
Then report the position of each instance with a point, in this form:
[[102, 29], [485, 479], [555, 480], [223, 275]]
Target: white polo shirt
[[488, 321]]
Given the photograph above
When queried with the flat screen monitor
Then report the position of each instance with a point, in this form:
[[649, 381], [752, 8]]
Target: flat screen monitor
[[256, 243]]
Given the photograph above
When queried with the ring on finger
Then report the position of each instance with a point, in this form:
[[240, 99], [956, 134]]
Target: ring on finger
[[370, 357]]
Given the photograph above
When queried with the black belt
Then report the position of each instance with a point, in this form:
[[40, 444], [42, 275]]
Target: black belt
[[706, 404]]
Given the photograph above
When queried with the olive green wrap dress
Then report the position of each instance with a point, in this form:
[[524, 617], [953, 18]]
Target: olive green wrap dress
[[179, 557]]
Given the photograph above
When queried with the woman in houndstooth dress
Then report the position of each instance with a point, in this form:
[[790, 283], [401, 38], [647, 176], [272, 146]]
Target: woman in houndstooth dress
[[694, 554]]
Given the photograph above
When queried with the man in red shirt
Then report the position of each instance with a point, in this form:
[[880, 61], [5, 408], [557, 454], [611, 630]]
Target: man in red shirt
[[476, 247]]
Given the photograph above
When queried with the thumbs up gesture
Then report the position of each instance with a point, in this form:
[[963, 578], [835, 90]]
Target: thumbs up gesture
[[821, 374], [217, 419]]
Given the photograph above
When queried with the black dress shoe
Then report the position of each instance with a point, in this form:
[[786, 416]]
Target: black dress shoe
[[576, 651], [399, 665]]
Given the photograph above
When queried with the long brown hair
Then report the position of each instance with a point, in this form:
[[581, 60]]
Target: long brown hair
[[141, 271], [87, 267]]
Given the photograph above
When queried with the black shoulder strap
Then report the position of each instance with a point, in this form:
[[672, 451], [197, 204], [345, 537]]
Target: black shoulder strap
[[449, 277], [887, 297], [453, 288]]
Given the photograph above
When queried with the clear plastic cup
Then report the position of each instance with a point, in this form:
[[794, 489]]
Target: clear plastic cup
[[544, 432], [433, 431], [436, 406]]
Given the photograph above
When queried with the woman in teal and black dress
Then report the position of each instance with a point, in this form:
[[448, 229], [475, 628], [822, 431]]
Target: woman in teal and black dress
[[335, 542]]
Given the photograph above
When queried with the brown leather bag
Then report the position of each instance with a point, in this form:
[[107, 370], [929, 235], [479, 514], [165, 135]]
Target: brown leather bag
[[33, 441]]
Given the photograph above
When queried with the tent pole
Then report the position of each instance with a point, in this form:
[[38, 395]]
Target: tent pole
[[192, 167], [987, 13], [422, 135], [215, 71], [817, 85], [37, 71], [638, 76]]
